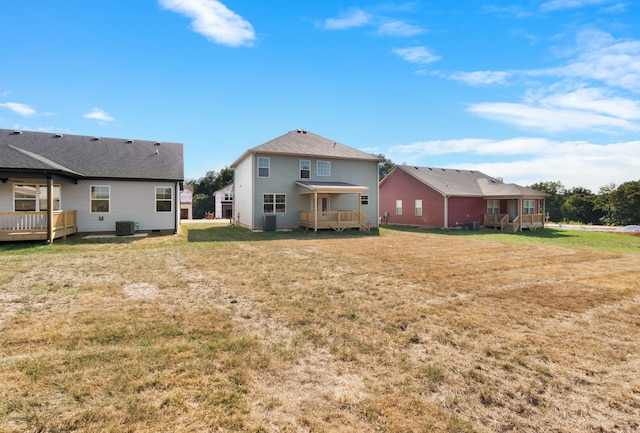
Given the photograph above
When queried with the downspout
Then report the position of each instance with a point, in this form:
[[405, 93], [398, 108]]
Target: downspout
[[176, 207], [446, 212], [315, 214], [49, 209]]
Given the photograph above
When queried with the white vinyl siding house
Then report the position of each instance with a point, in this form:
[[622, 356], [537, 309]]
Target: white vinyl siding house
[[292, 157]]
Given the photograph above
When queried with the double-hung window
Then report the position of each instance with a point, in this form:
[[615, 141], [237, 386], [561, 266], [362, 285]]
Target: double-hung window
[[164, 198], [100, 198], [418, 207], [274, 203], [263, 166], [398, 207], [493, 207], [323, 168], [528, 207], [305, 169]]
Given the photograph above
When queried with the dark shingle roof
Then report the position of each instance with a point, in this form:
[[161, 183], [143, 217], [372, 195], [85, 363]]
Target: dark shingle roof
[[305, 143], [467, 183], [90, 157]]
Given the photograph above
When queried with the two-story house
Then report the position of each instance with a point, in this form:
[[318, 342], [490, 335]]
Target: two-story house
[[301, 179]]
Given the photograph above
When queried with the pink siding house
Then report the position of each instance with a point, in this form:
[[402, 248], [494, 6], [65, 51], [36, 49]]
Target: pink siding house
[[447, 198]]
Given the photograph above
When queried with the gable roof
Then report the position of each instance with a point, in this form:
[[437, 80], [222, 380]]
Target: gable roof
[[77, 156], [305, 143], [466, 183]]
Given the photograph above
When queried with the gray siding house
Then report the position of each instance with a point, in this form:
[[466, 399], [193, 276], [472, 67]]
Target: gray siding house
[[301, 179], [52, 185]]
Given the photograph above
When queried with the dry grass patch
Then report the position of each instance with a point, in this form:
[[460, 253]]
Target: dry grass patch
[[393, 333]]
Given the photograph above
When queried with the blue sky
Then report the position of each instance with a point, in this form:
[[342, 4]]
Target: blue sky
[[529, 91]]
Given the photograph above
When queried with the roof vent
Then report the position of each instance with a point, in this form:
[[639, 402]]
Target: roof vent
[[301, 131], [58, 136], [96, 138], [17, 132], [129, 141], [157, 143]]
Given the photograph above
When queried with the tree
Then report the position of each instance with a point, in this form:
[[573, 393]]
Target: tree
[[581, 207], [553, 203], [603, 203], [385, 167], [625, 201], [203, 189]]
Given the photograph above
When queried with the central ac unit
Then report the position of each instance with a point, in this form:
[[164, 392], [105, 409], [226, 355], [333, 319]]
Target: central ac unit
[[125, 228]]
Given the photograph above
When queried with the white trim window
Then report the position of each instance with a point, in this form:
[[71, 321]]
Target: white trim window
[[100, 199], [164, 199], [528, 207], [34, 198], [264, 164], [323, 168], [418, 207], [305, 169], [493, 207], [398, 207], [274, 203]]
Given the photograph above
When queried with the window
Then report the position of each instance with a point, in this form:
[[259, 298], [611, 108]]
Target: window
[[528, 206], [418, 207], [100, 198], [164, 195], [228, 196], [364, 200], [493, 207], [274, 203], [398, 207], [34, 198], [324, 168], [263, 167], [305, 168]]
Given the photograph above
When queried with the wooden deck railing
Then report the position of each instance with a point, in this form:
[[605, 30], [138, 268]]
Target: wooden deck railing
[[526, 221], [336, 220], [15, 226]]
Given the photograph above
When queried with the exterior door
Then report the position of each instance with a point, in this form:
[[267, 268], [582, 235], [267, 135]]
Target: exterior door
[[512, 206], [324, 202]]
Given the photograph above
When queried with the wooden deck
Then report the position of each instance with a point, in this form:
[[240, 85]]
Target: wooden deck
[[32, 226], [526, 221], [335, 220]]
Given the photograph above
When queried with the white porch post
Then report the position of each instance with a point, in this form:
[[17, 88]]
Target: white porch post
[[315, 213], [49, 209], [446, 212]]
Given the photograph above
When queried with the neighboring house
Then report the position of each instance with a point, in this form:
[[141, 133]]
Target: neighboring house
[[224, 202], [54, 184], [186, 202], [301, 179], [439, 197]]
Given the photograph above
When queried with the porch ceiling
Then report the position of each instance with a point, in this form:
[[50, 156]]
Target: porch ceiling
[[310, 187]]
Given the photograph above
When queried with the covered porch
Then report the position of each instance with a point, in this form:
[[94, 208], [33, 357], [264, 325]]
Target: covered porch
[[34, 226], [514, 214], [320, 216]]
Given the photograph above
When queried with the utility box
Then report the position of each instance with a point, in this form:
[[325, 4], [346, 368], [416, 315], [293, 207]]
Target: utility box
[[125, 228], [475, 225], [269, 223]]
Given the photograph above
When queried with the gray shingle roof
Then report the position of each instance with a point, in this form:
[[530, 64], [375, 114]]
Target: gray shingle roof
[[305, 143], [467, 183], [90, 157]]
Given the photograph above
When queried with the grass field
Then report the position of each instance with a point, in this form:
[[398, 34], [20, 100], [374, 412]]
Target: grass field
[[402, 330]]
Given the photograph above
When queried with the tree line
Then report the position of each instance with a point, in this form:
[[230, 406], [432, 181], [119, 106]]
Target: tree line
[[612, 205]]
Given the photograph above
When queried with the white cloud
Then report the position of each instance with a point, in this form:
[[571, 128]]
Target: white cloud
[[98, 114], [420, 55], [399, 28], [477, 78], [574, 163], [214, 20], [553, 5], [353, 18], [20, 109]]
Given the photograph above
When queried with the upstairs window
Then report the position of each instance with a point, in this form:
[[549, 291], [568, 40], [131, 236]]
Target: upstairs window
[[164, 198], [228, 196], [324, 168], [100, 198], [263, 166], [305, 168]]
